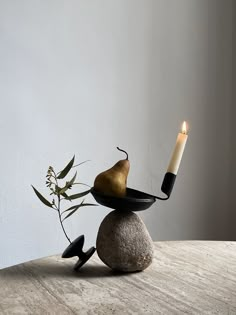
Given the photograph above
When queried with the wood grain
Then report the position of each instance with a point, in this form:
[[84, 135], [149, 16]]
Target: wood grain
[[186, 277]]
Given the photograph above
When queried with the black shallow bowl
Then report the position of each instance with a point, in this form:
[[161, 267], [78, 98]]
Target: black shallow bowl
[[133, 201]]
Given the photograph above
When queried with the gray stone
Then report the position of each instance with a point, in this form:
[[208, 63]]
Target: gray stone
[[123, 242]]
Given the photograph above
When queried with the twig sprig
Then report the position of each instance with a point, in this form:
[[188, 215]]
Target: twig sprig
[[59, 192]]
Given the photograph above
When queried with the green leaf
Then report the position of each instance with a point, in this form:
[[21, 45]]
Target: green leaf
[[71, 208], [68, 215], [44, 200], [73, 211], [81, 163], [88, 204], [67, 185], [58, 188], [82, 184], [71, 182], [62, 190], [79, 195], [64, 195], [75, 208], [78, 206], [66, 170]]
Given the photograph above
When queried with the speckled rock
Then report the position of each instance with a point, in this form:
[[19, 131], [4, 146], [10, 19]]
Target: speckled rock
[[123, 242]]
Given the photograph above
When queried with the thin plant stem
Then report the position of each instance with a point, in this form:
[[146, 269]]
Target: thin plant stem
[[59, 213], [58, 210]]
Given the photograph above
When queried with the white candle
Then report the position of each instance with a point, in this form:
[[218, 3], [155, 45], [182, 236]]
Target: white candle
[[178, 150]]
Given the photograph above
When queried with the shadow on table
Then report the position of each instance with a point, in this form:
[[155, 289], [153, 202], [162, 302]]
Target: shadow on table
[[57, 269]]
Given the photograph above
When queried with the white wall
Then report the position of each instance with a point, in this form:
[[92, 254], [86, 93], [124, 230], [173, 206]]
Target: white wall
[[74, 79], [85, 76], [191, 79]]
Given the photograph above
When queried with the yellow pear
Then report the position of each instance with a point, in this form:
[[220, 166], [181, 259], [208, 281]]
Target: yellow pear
[[112, 182]]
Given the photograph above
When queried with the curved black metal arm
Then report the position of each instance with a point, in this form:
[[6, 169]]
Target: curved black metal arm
[[162, 198], [159, 198], [167, 186]]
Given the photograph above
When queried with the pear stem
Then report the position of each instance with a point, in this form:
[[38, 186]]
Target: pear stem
[[127, 156]]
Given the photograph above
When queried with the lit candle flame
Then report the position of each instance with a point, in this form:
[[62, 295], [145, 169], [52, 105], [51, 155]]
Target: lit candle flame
[[184, 128]]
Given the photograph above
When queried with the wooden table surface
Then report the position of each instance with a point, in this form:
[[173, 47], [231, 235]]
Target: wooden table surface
[[186, 277]]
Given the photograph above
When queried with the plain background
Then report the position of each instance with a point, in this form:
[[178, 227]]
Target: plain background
[[84, 76]]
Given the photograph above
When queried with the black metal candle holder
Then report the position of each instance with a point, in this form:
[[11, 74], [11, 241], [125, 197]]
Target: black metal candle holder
[[134, 200], [76, 249]]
